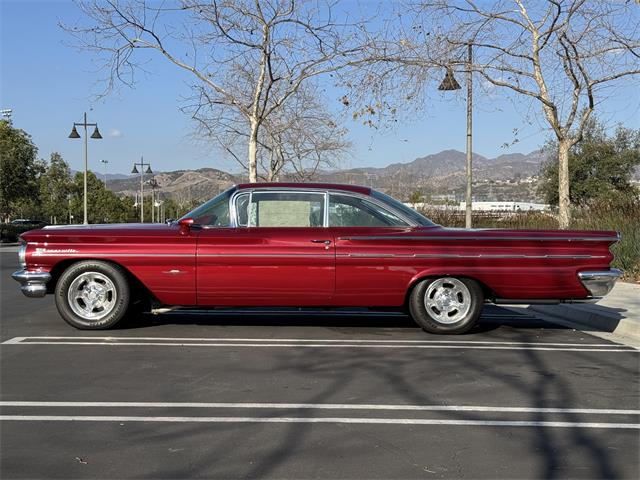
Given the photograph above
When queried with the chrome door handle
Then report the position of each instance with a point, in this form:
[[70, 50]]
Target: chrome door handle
[[326, 243]]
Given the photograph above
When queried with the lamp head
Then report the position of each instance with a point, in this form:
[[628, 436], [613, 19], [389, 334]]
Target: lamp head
[[74, 133], [96, 134], [449, 82]]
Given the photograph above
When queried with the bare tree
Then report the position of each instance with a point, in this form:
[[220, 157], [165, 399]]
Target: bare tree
[[302, 139], [296, 141], [564, 55], [249, 57]]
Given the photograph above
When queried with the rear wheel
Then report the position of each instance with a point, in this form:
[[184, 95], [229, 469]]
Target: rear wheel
[[92, 295], [446, 304]]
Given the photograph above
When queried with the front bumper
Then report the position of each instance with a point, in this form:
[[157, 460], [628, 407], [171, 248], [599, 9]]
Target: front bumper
[[599, 282], [32, 284]]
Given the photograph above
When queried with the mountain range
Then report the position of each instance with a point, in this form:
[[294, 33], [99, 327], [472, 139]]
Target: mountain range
[[442, 172]]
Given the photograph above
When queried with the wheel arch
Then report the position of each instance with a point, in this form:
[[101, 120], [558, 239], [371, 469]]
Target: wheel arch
[[487, 291], [138, 290]]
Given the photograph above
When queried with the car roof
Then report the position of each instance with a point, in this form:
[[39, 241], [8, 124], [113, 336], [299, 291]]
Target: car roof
[[321, 186]]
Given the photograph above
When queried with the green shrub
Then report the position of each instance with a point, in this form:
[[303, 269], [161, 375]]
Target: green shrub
[[8, 233]]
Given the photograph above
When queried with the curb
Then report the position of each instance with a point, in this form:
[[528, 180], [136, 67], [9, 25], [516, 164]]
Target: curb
[[589, 320]]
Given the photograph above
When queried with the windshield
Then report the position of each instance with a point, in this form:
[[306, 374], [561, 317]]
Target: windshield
[[214, 213], [409, 212]]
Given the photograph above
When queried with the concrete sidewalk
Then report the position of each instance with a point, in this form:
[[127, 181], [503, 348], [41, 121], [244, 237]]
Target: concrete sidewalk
[[618, 313]]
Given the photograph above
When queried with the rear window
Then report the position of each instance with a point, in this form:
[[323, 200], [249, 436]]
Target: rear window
[[406, 211]]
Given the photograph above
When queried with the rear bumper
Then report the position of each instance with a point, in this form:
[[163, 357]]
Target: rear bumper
[[599, 282], [32, 284]]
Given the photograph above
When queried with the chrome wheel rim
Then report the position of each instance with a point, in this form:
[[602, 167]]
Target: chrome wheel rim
[[92, 296], [447, 300]]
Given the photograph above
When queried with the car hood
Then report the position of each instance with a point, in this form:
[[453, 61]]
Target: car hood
[[107, 229]]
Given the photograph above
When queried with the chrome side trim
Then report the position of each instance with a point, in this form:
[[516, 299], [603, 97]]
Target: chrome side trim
[[267, 255], [340, 255], [457, 255], [431, 238], [599, 282], [373, 255], [32, 284], [95, 254]]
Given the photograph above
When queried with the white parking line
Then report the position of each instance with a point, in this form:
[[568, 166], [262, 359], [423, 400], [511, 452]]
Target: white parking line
[[298, 343], [302, 345], [374, 421], [313, 340], [324, 406]]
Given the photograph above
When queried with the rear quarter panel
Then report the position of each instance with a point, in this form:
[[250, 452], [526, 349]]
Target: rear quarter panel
[[378, 268]]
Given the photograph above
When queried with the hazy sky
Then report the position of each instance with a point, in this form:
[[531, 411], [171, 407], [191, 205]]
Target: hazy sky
[[49, 85]]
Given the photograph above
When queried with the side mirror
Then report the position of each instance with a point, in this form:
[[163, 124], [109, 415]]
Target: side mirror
[[185, 225]]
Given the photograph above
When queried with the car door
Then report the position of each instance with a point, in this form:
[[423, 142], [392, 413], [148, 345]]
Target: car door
[[278, 253], [369, 269]]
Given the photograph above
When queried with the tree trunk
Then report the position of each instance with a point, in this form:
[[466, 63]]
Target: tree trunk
[[564, 202], [253, 152]]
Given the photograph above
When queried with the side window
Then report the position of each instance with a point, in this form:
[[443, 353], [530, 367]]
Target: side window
[[242, 211], [348, 211], [286, 209], [214, 213]]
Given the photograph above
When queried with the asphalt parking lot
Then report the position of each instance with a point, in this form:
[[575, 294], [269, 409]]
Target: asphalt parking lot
[[310, 395]]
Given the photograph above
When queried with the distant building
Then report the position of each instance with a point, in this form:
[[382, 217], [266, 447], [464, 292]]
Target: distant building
[[444, 197], [496, 206]]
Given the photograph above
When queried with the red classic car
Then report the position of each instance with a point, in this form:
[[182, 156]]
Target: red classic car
[[309, 245]]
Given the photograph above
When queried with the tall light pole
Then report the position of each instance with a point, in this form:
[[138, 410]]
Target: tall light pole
[[96, 135], [104, 175], [450, 83], [142, 172], [161, 211], [154, 184]]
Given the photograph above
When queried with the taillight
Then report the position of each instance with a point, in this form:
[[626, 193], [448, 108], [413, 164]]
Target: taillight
[[22, 254]]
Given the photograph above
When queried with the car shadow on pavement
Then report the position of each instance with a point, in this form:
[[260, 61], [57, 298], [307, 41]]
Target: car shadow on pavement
[[597, 317], [492, 318]]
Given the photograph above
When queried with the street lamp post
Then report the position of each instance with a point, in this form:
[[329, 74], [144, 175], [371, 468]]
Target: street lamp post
[[104, 175], [96, 135], [154, 184], [161, 211], [450, 83], [142, 172]]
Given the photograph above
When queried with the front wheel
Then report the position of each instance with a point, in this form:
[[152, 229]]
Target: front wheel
[[446, 304], [92, 295]]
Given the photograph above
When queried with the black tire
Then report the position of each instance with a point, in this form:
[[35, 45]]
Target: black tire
[[118, 291], [427, 318]]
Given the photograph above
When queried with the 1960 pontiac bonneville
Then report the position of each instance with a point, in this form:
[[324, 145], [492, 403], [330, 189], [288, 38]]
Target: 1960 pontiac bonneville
[[310, 245]]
